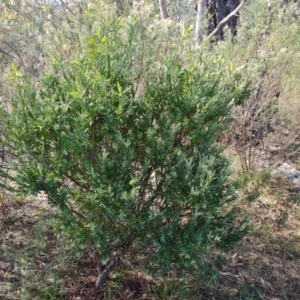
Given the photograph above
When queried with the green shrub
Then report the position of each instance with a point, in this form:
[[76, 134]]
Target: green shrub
[[122, 140]]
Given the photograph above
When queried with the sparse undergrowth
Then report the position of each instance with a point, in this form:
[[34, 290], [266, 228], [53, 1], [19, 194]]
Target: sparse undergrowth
[[35, 264]]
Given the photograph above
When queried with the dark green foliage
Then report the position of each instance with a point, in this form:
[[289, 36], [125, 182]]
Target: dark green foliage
[[124, 146]]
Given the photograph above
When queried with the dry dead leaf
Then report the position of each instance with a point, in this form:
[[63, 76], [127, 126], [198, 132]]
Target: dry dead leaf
[[234, 291], [262, 282]]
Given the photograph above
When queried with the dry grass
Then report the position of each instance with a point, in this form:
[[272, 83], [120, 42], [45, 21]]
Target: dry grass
[[34, 264], [267, 262]]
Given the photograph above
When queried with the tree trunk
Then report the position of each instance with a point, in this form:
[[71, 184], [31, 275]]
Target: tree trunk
[[218, 10], [200, 8], [163, 9], [120, 7], [227, 20]]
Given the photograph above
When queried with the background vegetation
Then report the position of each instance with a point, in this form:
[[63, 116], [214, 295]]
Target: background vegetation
[[50, 84]]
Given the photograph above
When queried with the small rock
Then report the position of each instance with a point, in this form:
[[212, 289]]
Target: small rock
[[295, 181], [274, 148], [286, 132], [289, 172], [283, 50]]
